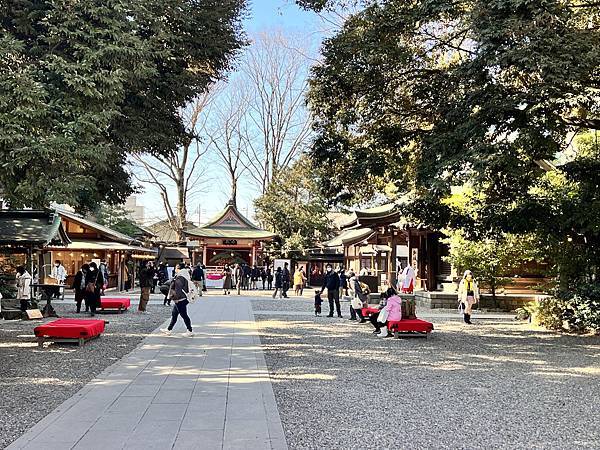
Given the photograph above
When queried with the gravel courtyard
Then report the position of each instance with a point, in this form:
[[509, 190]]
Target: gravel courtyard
[[34, 381], [497, 384]]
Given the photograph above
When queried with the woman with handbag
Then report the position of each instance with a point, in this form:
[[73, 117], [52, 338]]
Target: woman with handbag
[[93, 285], [392, 310], [360, 299], [182, 289], [468, 295]]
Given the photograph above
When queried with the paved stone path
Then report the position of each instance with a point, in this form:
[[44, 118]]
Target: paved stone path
[[211, 391]]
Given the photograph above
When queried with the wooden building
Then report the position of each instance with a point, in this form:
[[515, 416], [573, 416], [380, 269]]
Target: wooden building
[[91, 241], [380, 242], [229, 237]]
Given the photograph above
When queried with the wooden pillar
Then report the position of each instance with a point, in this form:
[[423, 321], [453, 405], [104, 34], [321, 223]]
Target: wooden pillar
[[253, 252], [204, 255]]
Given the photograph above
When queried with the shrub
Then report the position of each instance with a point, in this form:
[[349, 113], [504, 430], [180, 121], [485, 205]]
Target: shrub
[[576, 310]]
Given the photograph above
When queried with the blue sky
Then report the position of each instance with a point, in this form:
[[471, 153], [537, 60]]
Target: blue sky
[[265, 15]]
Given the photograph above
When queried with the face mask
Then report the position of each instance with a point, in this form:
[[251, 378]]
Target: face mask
[[329, 269], [56, 265], [92, 269]]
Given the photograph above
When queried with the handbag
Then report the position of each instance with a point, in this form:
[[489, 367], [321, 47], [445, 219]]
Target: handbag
[[91, 286], [356, 303], [383, 315]]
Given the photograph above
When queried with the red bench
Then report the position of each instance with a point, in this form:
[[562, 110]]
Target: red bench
[[410, 326], [120, 304], [404, 325], [69, 330]]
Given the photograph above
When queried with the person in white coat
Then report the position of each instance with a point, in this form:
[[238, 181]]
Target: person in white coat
[[468, 294], [23, 287], [408, 279], [59, 273]]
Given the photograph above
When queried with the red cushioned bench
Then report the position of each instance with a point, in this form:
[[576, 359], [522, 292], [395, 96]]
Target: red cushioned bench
[[120, 304], [410, 326], [404, 325], [69, 330]]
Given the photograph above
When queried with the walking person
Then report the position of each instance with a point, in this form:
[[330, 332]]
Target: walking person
[[198, 278], [343, 282], [278, 283], [238, 273], [332, 283], [299, 280], [79, 286], [146, 282], [181, 287], [93, 285], [226, 280], [263, 277], [23, 288], [269, 273], [104, 273], [468, 295], [286, 279], [254, 275], [247, 272]]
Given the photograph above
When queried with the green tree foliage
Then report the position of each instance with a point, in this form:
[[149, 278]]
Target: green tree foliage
[[428, 95], [494, 262], [116, 218], [294, 208], [84, 83]]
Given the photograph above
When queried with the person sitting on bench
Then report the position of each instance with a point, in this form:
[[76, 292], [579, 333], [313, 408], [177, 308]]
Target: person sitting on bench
[[381, 329]]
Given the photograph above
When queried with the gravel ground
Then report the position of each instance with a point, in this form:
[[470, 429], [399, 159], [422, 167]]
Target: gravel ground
[[497, 384], [35, 381]]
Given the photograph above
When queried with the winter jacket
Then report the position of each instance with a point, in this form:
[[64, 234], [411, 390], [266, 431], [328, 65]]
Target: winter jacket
[[79, 282], [331, 281], [198, 274], [146, 277], [24, 286], [394, 308], [278, 280], [180, 286], [463, 289]]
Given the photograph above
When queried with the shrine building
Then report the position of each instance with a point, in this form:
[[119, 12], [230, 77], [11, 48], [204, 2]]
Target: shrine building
[[228, 238]]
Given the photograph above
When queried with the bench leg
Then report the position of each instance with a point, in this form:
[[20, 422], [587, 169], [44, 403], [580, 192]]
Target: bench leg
[[40, 342], [81, 341]]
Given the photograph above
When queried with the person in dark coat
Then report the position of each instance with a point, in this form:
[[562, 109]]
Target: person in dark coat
[[246, 280], [254, 276], [286, 278], [263, 277], [93, 286], [332, 283], [79, 286], [278, 283], [269, 274], [146, 283], [198, 278]]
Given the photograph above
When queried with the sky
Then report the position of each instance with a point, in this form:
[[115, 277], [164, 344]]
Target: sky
[[265, 15]]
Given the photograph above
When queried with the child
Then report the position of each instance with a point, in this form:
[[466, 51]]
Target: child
[[318, 302]]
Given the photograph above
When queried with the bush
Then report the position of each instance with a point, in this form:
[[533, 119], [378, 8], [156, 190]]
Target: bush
[[576, 310]]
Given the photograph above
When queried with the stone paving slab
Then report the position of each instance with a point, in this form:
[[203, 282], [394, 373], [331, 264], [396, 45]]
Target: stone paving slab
[[209, 391]]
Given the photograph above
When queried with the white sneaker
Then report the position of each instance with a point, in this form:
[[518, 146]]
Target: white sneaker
[[165, 330], [188, 334]]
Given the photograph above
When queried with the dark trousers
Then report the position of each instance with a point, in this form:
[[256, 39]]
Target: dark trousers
[[78, 299], [180, 309], [286, 286], [375, 323], [24, 304], [356, 312], [334, 296], [91, 301]]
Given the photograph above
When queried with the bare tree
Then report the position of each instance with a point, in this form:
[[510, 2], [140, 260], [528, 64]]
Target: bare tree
[[178, 176], [274, 73], [228, 133]]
